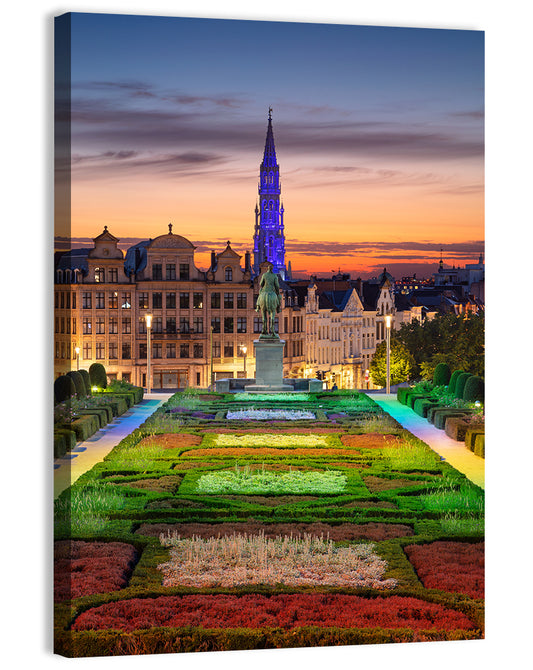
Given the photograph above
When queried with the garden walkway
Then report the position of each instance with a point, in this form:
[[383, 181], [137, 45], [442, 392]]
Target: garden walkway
[[86, 454], [455, 453]]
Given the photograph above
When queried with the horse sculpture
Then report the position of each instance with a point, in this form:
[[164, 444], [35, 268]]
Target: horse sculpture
[[269, 301]]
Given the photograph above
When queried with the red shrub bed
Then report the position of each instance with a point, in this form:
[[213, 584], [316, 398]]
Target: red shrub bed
[[457, 567], [84, 568], [171, 440], [285, 611], [344, 531], [370, 441]]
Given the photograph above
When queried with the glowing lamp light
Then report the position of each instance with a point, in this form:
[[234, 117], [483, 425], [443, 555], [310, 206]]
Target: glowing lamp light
[[388, 319], [148, 319], [94, 389]]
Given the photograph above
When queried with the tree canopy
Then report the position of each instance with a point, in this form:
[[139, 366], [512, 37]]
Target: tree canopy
[[458, 341], [402, 363]]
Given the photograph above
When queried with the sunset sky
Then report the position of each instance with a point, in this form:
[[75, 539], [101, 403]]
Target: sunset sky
[[378, 132]]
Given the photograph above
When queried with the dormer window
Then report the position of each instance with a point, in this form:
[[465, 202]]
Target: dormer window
[[228, 274], [99, 275]]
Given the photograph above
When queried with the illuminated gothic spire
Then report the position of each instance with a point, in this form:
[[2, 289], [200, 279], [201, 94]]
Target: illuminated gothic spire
[[269, 235]]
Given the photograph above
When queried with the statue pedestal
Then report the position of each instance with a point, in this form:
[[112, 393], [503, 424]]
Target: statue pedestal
[[269, 367]]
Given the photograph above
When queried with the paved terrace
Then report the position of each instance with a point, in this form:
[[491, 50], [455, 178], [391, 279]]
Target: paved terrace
[[86, 454], [455, 453]]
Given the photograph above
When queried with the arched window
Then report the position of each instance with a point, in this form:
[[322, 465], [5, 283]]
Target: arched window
[[228, 274], [68, 277], [59, 277]]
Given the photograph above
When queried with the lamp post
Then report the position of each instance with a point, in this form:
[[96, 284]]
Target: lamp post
[[243, 349], [211, 382], [77, 350], [388, 325], [148, 319]]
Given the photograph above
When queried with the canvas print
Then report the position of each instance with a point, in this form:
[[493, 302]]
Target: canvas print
[[269, 335]]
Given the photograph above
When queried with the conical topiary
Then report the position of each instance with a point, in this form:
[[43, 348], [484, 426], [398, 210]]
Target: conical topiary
[[64, 388], [87, 381], [81, 391], [460, 385], [453, 380]]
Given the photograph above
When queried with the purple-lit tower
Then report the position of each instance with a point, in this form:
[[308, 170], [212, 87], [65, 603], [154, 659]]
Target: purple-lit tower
[[269, 235]]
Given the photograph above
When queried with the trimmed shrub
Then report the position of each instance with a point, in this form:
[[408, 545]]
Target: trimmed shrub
[[441, 376], [70, 437], [474, 389], [453, 380], [422, 406], [98, 375], [440, 416], [402, 394], [64, 388], [413, 397], [81, 391], [84, 427], [460, 385], [479, 445], [86, 380], [60, 445], [99, 413], [456, 427], [471, 434]]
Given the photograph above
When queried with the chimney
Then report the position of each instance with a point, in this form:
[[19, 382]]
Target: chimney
[[247, 262], [213, 260]]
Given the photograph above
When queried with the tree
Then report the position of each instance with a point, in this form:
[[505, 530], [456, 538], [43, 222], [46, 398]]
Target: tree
[[402, 363]]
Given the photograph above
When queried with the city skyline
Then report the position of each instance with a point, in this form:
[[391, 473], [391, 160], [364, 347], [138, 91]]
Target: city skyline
[[378, 131]]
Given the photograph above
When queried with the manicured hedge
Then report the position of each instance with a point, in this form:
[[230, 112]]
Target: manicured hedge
[[460, 385], [441, 376], [440, 416], [422, 406], [453, 380], [456, 427], [479, 445], [84, 427], [402, 394], [98, 375], [474, 389], [472, 433], [86, 380], [100, 414], [64, 388], [81, 391]]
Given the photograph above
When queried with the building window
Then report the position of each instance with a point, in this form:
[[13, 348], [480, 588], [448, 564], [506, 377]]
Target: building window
[[143, 350], [113, 300], [157, 300], [241, 324], [113, 276], [67, 296], [87, 325], [99, 275], [100, 351], [171, 324], [171, 271], [228, 274], [126, 352], [56, 303], [126, 301], [215, 324], [86, 300], [171, 300], [184, 324], [87, 351], [100, 325], [171, 350], [215, 300], [241, 300], [228, 350], [256, 295], [197, 300], [157, 324], [113, 350], [184, 271], [228, 324], [99, 300], [73, 301], [258, 324], [157, 350], [143, 300], [142, 326], [216, 349], [126, 326], [74, 326], [184, 351], [157, 272], [198, 351], [184, 301], [198, 323], [228, 300]]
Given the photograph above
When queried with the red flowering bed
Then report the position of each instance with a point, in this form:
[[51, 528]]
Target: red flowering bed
[[344, 531], [285, 611], [171, 440], [84, 568], [457, 567], [370, 441]]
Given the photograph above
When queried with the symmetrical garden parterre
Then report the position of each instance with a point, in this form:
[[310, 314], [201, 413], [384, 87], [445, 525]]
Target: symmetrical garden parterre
[[204, 532]]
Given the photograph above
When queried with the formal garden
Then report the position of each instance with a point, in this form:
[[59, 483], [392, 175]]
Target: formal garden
[[240, 521]]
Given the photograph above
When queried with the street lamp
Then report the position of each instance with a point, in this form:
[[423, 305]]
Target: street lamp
[[148, 319], [388, 319], [243, 349], [211, 375], [77, 350]]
